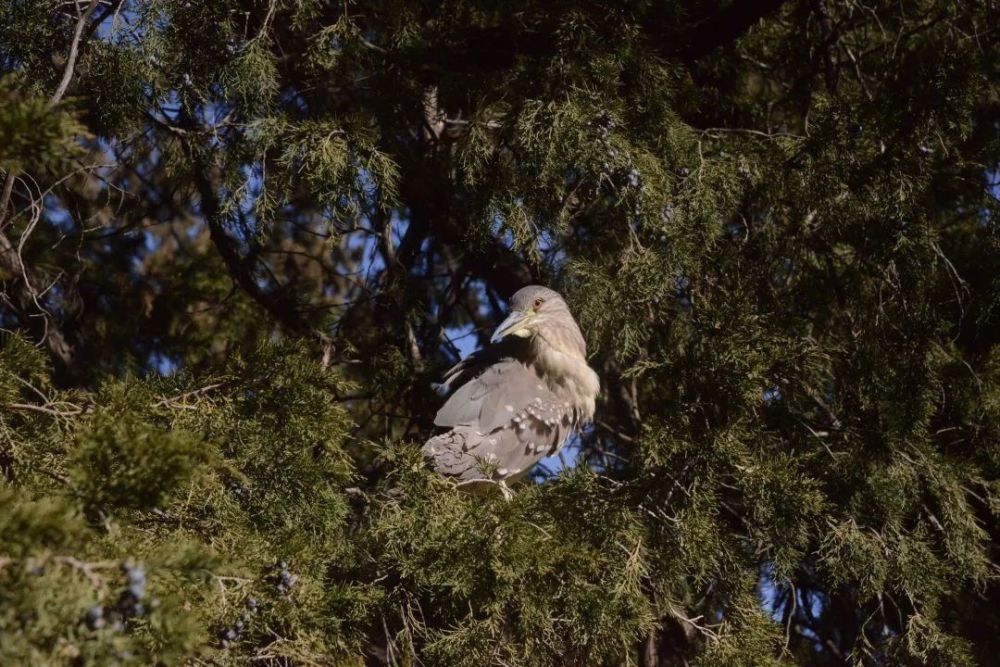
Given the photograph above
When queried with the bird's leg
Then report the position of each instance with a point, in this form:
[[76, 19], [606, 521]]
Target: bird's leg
[[508, 495]]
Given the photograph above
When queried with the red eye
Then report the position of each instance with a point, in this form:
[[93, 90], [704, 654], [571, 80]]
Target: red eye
[[538, 303]]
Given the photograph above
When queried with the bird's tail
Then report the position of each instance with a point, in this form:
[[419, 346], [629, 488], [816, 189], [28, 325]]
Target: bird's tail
[[447, 454]]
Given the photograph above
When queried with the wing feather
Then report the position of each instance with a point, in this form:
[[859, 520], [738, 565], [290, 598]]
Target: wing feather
[[478, 377]]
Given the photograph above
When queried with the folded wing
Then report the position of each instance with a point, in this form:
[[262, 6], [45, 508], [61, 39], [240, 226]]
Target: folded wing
[[502, 418]]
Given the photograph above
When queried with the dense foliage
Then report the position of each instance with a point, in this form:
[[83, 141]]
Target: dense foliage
[[240, 240]]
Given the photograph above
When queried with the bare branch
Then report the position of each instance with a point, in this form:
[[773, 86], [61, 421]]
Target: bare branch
[[176, 401], [72, 411], [74, 50]]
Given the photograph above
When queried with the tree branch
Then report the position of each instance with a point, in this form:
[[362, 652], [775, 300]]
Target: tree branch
[[20, 294], [74, 50], [240, 269]]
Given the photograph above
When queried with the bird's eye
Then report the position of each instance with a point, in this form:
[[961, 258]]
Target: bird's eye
[[538, 303]]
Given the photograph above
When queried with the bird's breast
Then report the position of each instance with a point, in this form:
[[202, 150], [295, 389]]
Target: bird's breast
[[569, 377]]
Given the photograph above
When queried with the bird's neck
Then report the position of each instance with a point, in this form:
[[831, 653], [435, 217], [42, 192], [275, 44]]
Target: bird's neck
[[568, 376]]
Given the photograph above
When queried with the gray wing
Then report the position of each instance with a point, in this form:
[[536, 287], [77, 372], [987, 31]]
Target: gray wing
[[503, 421], [492, 397], [475, 377]]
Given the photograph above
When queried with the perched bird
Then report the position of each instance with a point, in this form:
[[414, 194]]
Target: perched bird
[[517, 400]]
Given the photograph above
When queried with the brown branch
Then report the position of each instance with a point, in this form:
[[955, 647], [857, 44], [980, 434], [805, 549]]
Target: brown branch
[[72, 412], [74, 50], [240, 268], [650, 654], [40, 323], [8, 188], [173, 400], [85, 568], [278, 302]]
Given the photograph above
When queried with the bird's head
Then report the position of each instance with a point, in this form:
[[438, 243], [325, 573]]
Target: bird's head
[[537, 311]]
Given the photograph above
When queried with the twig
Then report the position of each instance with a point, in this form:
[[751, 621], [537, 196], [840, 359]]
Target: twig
[[168, 400], [788, 626], [86, 569], [75, 410], [613, 431], [693, 622]]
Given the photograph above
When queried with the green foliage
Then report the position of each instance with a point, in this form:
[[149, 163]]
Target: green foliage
[[121, 462], [32, 135], [237, 255]]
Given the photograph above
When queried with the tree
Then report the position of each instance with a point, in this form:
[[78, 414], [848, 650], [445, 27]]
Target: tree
[[240, 241]]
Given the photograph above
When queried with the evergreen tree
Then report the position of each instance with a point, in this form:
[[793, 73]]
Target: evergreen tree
[[240, 241]]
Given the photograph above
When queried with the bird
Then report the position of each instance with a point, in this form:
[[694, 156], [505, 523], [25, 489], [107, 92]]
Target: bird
[[517, 400]]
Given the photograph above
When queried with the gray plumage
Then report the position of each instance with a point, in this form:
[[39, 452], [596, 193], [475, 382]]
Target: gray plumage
[[517, 400]]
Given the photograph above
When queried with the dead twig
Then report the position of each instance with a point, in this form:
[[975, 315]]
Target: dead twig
[[73, 410], [175, 401]]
